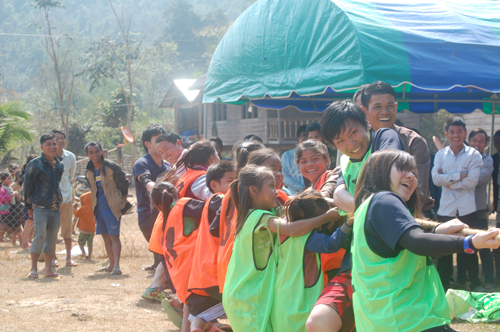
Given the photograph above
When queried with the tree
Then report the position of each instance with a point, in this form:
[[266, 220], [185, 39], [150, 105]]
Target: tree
[[120, 60], [14, 126], [60, 57]]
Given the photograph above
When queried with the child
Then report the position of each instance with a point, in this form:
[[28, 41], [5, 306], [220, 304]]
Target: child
[[251, 274], [86, 224], [298, 277], [204, 280], [397, 285], [227, 214], [270, 159], [11, 221], [193, 184]]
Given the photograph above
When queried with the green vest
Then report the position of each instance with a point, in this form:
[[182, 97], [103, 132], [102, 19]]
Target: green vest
[[350, 172], [251, 275], [402, 293], [299, 282]]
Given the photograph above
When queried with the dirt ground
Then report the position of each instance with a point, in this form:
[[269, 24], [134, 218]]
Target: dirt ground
[[84, 300]]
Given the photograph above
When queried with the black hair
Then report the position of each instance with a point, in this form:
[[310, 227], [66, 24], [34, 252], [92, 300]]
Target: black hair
[[217, 171], [334, 118], [47, 136], [58, 131], [242, 151], [253, 137], [376, 88], [168, 137], [478, 131], [163, 195], [153, 129], [497, 134], [199, 154], [4, 175], [250, 175], [455, 121], [301, 129], [313, 127], [358, 93], [216, 140], [92, 143]]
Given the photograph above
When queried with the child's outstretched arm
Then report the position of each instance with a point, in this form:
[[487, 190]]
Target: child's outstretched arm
[[303, 226], [325, 244]]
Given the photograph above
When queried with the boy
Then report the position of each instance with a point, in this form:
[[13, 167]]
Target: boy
[[86, 224], [313, 131], [379, 103], [205, 301], [43, 200], [146, 170], [345, 125]]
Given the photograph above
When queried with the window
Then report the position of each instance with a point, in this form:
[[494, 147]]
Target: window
[[219, 112], [249, 111]]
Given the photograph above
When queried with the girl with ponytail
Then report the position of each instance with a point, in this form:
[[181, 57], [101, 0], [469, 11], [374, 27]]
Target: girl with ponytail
[[251, 275], [196, 161]]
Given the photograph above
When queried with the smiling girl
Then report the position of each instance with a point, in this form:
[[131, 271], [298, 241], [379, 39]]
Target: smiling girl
[[312, 158], [396, 283]]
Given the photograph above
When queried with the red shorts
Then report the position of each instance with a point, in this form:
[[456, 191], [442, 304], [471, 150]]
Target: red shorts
[[338, 295]]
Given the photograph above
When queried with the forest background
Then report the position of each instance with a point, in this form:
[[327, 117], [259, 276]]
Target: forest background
[[69, 63]]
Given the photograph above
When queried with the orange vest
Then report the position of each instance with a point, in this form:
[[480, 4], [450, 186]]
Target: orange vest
[[155, 241], [333, 260], [204, 270], [226, 238], [187, 180], [179, 240]]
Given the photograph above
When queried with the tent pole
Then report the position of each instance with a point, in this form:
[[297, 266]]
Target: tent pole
[[493, 110], [205, 136], [279, 128]]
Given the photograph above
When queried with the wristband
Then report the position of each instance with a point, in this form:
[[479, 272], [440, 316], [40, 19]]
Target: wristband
[[468, 246]]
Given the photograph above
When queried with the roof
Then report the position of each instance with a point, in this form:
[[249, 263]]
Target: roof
[[179, 94]]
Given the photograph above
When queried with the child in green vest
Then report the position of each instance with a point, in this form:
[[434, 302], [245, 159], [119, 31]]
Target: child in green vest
[[252, 271], [397, 287]]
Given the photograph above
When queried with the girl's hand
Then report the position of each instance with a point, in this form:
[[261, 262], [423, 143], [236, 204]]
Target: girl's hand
[[486, 239], [451, 227], [350, 221]]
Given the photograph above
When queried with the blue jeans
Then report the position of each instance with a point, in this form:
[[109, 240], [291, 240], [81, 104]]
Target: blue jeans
[[47, 224]]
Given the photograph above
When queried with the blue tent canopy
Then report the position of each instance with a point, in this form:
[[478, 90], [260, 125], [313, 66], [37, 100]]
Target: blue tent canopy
[[437, 54]]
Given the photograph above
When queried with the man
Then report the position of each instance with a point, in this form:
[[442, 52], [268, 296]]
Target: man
[[313, 131], [43, 200], [219, 146], [292, 178], [146, 170], [69, 161], [379, 103], [457, 168], [169, 145], [109, 190]]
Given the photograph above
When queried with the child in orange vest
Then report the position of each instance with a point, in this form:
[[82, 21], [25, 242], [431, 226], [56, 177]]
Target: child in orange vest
[[86, 224], [204, 280]]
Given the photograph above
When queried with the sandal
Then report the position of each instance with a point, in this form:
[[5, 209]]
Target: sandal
[[149, 268], [71, 263], [116, 271], [53, 275], [32, 275], [173, 313], [104, 269]]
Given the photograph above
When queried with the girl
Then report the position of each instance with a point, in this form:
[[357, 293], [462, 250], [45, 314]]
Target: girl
[[270, 159], [193, 183], [312, 158], [397, 286], [299, 278], [11, 219], [251, 275], [227, 213]]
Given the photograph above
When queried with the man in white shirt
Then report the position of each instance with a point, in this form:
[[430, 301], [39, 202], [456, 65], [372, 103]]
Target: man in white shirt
[[456, 169], [66, 185]]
